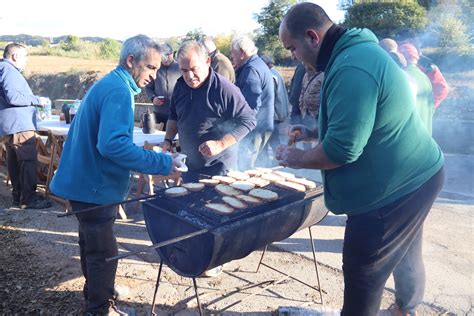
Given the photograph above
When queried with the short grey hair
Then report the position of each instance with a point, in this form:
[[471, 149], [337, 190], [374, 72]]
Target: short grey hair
[[137, 46], [192, 46], [246, 44]]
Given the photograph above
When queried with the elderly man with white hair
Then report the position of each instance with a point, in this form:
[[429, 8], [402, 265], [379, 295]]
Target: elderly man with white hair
[[255, 80]]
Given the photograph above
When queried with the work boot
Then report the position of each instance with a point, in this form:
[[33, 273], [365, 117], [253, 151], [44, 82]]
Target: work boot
[[38, 203]]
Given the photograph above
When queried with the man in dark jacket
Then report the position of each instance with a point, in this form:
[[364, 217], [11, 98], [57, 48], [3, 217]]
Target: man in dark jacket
[[219, 62], [255, 80], [209, 113], [160, 90], [18, 126]]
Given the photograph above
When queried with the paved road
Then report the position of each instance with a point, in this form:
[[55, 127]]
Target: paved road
[[448, 233]]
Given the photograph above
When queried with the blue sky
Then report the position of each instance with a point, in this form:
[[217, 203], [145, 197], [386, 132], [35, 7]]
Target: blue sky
[[121, 19]]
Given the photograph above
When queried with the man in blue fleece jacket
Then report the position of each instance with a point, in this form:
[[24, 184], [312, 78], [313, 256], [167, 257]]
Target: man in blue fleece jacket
[[96, 162], [379, 164], [18, 126]]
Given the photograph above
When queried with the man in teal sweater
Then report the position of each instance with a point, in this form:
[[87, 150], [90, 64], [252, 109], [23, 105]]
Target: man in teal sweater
[[96, 162], [379, 164]]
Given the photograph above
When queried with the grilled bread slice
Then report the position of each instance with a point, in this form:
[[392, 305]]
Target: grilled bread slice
[[234, 202], [238, 175], [210, 182], [176, 191], [193, 186], [307, 183], [272, 177], [224, 189], [264, 194], [249, 199], [259, 182], [264, 170], [254, 172], [284, 175], [242, 185], [224, 179], [291, 186], [220, 207]]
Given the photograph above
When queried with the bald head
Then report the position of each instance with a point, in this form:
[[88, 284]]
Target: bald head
[[305, 16], [389, 45]]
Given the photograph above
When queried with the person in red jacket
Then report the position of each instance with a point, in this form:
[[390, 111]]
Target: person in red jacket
[[440, 86]]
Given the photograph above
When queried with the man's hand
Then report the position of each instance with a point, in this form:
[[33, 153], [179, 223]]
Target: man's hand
[[211, 148], [159, 101], [298, 133], [44, 102], [174, 172], [289, 156], [165, 146]]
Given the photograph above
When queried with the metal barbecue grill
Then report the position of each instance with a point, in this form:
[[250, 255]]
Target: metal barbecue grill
[[226, 237]]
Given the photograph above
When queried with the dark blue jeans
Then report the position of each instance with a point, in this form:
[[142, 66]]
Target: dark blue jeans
[[385, 241], [97, 242]]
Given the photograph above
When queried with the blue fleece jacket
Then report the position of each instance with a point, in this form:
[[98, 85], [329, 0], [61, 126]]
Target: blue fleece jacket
[[255, 80], [17, 102], [99, 152]]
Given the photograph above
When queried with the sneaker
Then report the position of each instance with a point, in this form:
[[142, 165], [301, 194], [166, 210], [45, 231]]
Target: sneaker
[[37, 204], [120, 291], [15, 204]]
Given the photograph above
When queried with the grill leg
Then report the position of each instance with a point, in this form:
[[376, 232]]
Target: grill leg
[[197, 296], [156, 288], [261, 258], [316, 265]]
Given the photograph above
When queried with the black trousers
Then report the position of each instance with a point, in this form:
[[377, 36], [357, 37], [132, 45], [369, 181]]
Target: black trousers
[[22, 164], [385, 241], [97, 242]]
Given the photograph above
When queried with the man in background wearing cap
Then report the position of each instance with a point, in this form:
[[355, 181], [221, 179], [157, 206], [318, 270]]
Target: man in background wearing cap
[[421, 85], [160, 90]]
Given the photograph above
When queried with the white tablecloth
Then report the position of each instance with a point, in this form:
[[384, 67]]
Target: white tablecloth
[[60, 128]]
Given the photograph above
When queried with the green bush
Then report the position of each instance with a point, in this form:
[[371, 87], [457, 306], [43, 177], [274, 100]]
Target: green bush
[[109, 49], [387, 19]]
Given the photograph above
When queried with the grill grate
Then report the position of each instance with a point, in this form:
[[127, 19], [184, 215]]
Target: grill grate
[[191, 207]]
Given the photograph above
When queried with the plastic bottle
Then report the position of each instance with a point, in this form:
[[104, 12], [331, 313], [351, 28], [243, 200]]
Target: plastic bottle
[[47, 110], [72, 112]]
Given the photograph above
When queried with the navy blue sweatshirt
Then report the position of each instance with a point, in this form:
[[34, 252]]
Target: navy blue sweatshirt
[[208, 113], [255, 80], [17, 102]]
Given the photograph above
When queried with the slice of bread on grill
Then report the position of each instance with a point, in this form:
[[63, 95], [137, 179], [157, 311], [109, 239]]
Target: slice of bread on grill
[[249, 199], [193, 186], [272, 177], [210, 182], [307, 183], [238, 175], [284, 175], [220, 207], [291, 186], [254, 172], [224, 179], [225, 189], [176, 191], [259, 182], [264, 194], [242, 185], [264, 170], [234, 202]]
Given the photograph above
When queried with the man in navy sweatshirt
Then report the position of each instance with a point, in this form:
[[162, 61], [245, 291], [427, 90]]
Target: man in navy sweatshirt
[[209, 113], [18, 126]]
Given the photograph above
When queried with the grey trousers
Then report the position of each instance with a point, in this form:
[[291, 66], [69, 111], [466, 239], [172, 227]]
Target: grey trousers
[[97, 242]]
